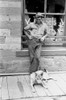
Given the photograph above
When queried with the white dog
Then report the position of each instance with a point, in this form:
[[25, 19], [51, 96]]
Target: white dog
[[39, 77]]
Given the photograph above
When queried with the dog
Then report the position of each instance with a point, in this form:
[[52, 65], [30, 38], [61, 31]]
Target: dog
[[40, 77]]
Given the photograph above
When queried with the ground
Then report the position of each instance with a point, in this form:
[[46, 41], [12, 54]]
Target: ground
[[17, 87]]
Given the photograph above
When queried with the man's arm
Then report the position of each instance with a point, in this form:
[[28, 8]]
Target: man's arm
[[27, 27], [27, 31]]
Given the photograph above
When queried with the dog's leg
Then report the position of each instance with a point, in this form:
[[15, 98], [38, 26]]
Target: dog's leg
[[44, 84], [32, 87], [32, 81]]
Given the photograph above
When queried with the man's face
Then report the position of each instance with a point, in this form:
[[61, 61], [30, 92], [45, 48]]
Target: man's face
[[39, 20]]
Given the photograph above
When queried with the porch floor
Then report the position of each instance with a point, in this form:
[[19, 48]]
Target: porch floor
[[18, 88]]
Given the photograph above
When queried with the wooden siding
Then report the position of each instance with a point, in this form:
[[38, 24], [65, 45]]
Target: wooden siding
[[11, 19], [10, 4], [10, 11]]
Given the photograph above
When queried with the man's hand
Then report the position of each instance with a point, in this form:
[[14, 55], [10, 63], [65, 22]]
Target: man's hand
[[30, 37], [42, 39]]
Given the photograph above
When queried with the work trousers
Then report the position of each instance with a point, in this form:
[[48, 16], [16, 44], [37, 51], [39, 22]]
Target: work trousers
[[34, 46]]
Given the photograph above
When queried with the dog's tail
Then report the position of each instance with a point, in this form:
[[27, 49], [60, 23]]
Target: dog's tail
[[51, 79]]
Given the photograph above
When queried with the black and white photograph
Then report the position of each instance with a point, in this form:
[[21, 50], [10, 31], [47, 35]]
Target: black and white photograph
[[32, 49]]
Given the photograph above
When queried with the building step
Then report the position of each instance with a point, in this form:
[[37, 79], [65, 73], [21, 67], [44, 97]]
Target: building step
[[46, 51]]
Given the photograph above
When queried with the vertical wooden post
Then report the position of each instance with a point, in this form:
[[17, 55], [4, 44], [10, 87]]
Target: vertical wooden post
[[22, 22], [45, 7], [65, 22], [23, 12]]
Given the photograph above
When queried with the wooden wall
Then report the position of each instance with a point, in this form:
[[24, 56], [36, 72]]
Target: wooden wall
[[10, 24]]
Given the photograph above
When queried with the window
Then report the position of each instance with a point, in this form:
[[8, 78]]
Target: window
[[54, 12]]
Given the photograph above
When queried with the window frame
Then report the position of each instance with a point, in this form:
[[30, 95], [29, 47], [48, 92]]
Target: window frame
[[45, 13]]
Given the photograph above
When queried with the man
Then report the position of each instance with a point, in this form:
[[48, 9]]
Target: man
[[36, 32]]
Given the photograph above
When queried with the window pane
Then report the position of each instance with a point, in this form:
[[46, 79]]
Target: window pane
[[54, 21], [34, 5], [56, 28], [55, 6]]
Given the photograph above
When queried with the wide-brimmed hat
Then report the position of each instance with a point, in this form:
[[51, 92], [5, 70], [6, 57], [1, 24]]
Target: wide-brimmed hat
[[38, 15]]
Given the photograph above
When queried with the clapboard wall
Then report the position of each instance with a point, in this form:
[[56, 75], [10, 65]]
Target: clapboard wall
[[10, 24]]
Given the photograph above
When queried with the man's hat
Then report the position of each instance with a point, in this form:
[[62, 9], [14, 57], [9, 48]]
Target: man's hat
[[38, 15]]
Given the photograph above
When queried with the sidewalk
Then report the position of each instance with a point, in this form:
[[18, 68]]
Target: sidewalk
[[18, 88]]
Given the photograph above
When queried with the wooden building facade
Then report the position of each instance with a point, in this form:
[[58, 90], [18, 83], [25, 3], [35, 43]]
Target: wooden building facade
[[14, 15]]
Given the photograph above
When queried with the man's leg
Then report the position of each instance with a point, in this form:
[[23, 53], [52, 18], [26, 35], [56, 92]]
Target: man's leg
[[38, 54], [33, 59]]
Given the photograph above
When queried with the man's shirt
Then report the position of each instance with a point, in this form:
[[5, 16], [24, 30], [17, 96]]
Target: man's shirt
[[37, 31]]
